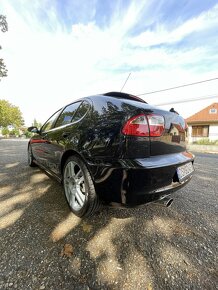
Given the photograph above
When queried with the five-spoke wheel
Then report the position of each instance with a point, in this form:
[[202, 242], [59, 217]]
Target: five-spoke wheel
[[79, 188], [74, 185]]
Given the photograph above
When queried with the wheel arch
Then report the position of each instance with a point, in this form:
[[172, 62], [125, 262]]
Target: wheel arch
[[66, 155]]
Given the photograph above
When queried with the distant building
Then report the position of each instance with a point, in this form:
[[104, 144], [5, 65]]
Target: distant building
[[204, 124]]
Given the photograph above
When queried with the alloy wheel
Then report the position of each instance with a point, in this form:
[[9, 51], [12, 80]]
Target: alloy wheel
[[74, 184]]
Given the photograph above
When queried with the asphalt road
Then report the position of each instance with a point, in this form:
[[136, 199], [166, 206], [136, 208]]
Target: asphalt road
[[44, 246]]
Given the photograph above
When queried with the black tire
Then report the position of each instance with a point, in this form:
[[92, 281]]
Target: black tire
[[79, 188], [30, 157]]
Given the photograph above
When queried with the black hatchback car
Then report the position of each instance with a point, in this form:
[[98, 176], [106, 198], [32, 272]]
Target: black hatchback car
[[114, 148]]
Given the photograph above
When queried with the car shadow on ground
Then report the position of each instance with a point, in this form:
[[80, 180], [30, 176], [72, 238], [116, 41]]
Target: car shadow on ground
[[150, 247]]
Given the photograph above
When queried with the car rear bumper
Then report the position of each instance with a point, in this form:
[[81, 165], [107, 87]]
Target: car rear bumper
[[137, 181], [159, 161]]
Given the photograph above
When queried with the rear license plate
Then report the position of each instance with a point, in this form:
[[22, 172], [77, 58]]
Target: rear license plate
[[184, 171]]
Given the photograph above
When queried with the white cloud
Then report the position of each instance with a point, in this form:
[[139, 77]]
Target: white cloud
[[49, 68], [164, 35]]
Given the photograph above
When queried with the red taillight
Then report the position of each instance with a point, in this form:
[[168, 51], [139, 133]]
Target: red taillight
[[141, 125], [156, 125], [136, 126]]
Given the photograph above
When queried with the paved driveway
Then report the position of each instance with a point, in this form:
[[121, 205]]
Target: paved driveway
[[44, 246]]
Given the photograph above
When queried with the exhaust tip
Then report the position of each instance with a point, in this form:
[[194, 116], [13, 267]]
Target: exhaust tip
[[165, 201], [169, 202]]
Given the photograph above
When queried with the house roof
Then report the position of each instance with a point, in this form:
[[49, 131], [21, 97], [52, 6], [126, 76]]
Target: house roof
[[205, 115]]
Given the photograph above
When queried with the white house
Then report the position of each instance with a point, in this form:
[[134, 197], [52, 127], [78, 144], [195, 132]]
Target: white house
[[204, 124]]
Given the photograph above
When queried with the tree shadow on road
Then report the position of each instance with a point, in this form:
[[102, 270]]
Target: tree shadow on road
[[149, 247]]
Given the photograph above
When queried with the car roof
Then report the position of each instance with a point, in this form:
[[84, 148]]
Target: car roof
[[117, 95]]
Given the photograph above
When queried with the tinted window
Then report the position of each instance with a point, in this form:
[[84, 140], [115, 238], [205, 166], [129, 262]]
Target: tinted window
[[67, 115], [83, 108], [48, 125]]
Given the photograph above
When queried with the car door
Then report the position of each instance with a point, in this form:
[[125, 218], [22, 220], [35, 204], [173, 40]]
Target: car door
[[57, 137], [39, 143]]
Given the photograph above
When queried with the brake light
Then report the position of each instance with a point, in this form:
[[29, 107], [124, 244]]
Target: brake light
[[156, 125], [144, 126], [136, 126]]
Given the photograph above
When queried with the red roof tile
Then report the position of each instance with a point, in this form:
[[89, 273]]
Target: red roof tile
[[204, 115]]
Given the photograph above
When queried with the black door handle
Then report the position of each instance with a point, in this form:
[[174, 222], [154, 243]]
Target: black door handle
[[65, 134]]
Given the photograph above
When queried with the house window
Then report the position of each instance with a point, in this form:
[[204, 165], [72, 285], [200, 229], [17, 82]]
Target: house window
[[200, 131], [213, 111]]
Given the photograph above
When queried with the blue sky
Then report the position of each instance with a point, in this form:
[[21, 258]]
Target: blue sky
[[57, 51]]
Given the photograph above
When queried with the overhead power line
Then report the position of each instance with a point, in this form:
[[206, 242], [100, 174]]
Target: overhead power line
[[177, 87], [188, 100]]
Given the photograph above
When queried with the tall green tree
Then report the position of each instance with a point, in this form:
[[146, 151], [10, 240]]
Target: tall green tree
[[10, 115], [3, 28], [36, 124]]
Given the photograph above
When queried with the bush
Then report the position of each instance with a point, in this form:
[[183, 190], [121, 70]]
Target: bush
[[14, 132], [206, 141], [28, 134], [5, 131]]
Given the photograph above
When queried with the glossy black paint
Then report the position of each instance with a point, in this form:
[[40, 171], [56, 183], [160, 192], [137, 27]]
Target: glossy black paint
[[125, 169]]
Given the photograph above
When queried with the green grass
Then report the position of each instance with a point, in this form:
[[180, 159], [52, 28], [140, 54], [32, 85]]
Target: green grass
[[206, 141]]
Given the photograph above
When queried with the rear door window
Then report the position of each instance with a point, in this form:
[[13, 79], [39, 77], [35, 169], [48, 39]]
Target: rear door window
[[67, 115], [82, 110]]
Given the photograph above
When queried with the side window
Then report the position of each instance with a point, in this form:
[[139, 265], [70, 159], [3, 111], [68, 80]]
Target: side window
[[83, 108], [67, 115], [48, 124]]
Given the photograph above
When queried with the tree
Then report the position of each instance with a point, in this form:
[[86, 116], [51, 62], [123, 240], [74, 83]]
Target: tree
[[4, 28], [3, 70], [36, 124], [3, 23], [10, 115]]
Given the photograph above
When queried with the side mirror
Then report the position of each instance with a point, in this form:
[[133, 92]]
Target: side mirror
[[33, 129]]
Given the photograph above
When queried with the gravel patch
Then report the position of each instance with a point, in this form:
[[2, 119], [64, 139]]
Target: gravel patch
[[44, 246]]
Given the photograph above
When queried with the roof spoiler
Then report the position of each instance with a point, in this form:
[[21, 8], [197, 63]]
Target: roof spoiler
[[124, 96]]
